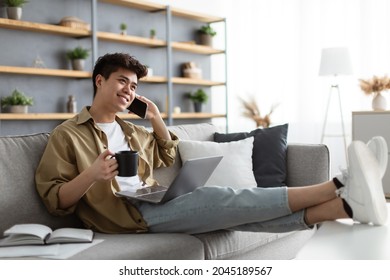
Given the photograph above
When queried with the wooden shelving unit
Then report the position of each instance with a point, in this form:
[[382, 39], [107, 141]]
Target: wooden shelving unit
[[58, 30]]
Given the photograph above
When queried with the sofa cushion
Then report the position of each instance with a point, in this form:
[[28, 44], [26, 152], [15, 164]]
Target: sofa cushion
[[200, 132], [269, 153], [150, 246], [236, 245], [19, 159], [235, 168]]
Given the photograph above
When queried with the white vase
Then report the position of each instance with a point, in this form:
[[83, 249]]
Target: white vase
[[379, 102]]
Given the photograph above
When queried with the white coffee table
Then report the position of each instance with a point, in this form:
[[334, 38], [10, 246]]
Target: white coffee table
[[345, 240]]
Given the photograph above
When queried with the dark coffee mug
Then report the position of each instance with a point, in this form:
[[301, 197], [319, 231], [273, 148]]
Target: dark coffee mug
[[127, 163]]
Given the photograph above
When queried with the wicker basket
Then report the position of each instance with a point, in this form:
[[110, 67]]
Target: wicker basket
[[74, 22]]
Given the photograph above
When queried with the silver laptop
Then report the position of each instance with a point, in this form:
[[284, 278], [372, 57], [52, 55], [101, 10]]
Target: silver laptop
[[194, 173]]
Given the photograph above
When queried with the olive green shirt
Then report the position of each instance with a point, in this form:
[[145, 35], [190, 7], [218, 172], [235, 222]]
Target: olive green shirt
[[73, 146]]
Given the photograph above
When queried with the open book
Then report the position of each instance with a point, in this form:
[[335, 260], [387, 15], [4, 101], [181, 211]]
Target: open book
[[35, 234]]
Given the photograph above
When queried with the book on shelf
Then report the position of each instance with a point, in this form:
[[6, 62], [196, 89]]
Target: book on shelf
[[37, 234]]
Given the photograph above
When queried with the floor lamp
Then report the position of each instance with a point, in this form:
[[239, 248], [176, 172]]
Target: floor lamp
[[335, 62]]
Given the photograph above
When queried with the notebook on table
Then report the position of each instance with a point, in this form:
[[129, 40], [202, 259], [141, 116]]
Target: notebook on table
[[194, 173]]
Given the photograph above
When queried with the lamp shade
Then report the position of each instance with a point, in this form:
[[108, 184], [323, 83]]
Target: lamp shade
[[335, 61]]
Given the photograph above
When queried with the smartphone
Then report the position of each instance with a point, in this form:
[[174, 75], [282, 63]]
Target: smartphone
[[138, 107]]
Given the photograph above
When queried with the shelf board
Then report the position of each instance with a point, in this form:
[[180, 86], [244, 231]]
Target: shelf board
[[202, 115], [44, 72], [137, 4], [195, 16], [65, 116], [154, 79], [195, 48], [43, 28], [134, 40], [153, 7], [198, 82]]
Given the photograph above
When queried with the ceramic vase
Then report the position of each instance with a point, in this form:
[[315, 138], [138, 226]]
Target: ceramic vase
[[379, 102], [14, 13], [78, 64]]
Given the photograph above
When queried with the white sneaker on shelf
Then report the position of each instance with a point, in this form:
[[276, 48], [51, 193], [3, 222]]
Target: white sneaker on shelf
[[378, 146], [363, 186]]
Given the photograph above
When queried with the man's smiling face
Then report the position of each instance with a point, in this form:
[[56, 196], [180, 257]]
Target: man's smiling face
[[118, 91]]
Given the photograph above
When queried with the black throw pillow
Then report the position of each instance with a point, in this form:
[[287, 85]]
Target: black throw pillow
[[269, 153]]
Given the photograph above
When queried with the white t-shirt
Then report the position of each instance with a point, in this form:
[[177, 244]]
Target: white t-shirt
[[117, 142]]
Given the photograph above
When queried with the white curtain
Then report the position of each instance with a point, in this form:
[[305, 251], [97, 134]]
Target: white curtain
[[274, 49]]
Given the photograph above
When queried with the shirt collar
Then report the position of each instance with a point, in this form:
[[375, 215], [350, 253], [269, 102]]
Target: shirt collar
[[84, 116]]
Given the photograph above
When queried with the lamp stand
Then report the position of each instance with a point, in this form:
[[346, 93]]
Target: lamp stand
[[335, 87]]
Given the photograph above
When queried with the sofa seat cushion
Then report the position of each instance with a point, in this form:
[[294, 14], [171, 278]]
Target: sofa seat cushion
[[235, 245], [148, 246]]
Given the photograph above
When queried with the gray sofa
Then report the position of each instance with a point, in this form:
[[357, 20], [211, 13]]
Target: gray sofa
[[19, 203]]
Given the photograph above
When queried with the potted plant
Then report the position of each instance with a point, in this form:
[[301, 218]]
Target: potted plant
[[206, 34], [152, 33], [123, 27], [14, 8], [77, 56], [199, 97], [17, 102]]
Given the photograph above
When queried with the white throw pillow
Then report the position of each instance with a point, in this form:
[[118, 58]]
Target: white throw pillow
[[234, 170]]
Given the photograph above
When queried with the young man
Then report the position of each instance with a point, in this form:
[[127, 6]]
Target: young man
[[77, 174]]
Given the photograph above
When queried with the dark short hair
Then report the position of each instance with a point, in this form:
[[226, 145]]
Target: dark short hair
[[109, 63]]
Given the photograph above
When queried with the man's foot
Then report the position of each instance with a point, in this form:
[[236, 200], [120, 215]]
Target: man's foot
[[378, 146], [362, 189]]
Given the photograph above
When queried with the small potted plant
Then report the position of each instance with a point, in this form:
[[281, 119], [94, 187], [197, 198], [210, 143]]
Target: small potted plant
[[123, 27], [14, 8], [199, 97], [77, 56], [206, 34], [17, 102], [152, 33]]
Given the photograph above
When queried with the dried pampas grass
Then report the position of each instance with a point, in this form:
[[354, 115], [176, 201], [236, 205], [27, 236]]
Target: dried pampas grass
[[375, 84], [252, 111]]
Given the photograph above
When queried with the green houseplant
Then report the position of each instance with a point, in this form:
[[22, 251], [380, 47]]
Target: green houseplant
[[123, 28], [206, 34], [152, 33], [17, 102], [14, 8], [199, 97], [77, 56]]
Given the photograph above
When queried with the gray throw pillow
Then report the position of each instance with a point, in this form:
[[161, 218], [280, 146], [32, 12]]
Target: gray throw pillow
[[269, 153]]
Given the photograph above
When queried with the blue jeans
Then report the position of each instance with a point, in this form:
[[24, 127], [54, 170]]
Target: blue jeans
[[211, 208]]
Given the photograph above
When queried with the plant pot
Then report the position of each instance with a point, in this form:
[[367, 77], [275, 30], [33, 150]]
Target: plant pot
[[198, 107], [206, 40], [14, 13], [379, 102], [18, 109], [78, 64]]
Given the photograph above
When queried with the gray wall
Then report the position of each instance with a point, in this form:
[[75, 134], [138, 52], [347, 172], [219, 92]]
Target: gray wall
[[20, 48]]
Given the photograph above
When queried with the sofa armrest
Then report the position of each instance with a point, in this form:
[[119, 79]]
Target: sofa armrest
[[307, 164]]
